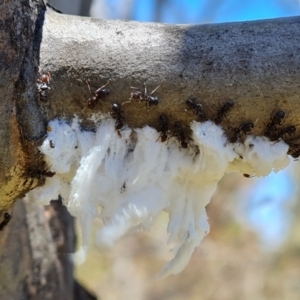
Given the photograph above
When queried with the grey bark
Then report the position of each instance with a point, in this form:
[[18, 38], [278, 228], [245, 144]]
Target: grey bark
[[34, 254], [254, 63]]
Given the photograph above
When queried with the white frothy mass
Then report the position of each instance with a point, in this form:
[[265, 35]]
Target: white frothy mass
[[128, 180]]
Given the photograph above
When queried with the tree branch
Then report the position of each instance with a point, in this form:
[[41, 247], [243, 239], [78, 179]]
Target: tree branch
[[254, 63]]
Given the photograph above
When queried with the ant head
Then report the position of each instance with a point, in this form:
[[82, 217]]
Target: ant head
[[115, 107], [153, 100], [230, 103], [248, 127], [291, 130], [280, 114]]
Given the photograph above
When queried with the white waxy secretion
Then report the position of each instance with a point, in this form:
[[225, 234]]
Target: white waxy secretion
[[127, 181]]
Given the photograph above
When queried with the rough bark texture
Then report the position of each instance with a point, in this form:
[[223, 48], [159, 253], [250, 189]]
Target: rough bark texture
[[21, 121], [254, 63], [34, 254]]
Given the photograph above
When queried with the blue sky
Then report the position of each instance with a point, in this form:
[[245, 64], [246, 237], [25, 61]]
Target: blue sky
[[191, 11], [266, 207]]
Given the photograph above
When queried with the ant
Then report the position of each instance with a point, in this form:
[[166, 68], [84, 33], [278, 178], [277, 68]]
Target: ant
[[144, 96], [99, 94], [271, 127], [179, 134], [163, 128], [197, 108], [117, 114], [6, 218], [245, 129], [223, 111], [291, 130], [43, 86]]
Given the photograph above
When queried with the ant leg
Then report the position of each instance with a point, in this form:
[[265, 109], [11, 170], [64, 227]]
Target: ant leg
[[129, 101], [279, 140], [119, 133], [49, 77], [89, 87], [169, 139], [102, 87], [158, 137], [156, 88]]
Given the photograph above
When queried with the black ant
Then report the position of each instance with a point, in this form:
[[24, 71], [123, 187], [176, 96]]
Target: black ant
[[277, 119], [144, 96], [245, 129], [43, 86], [291, 130], [99, 94], [6, 218], [179, 134], [198, 110], [163, 128], [117, 114], [223, 111]]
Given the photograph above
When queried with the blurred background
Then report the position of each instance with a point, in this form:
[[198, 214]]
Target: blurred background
[[253, 249]]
